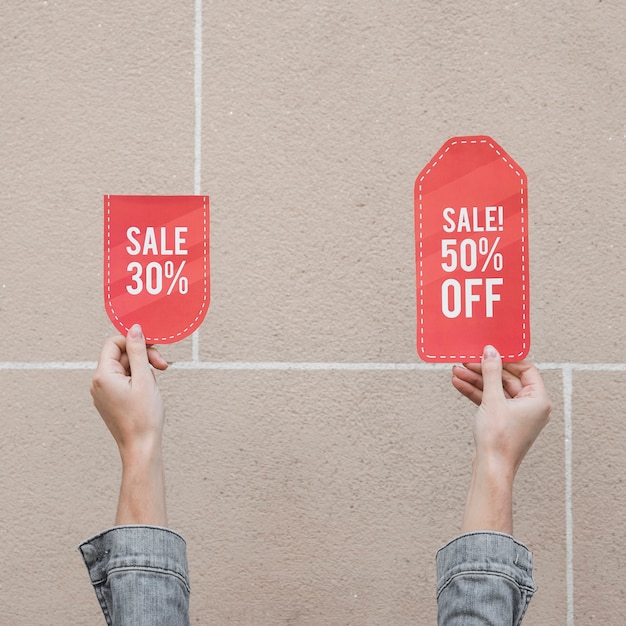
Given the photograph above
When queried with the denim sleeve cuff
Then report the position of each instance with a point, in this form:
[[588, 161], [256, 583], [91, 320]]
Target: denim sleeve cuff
[[135, 547], [485, 553]]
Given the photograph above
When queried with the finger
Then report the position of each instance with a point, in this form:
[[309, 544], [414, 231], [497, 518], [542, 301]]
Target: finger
[[137, 355], [511, 383], [111, 355], [469, 376], [112, 349], [125, 363], [109, 365], [492, 375], [527, 374], [155, 359], [474, 367], [471, 372], [468, 390]]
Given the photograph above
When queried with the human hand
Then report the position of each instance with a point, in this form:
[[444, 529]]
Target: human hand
[[126, 394], [513, 407]]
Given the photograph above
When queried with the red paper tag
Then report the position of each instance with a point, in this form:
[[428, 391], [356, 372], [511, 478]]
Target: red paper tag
[[156, 264], [472, 253]]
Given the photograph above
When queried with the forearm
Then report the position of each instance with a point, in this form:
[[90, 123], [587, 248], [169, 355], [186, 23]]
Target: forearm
[[489, 504], [142, 491]]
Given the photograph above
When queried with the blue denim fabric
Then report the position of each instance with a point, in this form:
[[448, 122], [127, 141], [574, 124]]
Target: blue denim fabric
[[140, 575], [484, 579]]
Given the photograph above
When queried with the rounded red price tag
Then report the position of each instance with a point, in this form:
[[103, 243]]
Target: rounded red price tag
[[472, 253], [156, 264]]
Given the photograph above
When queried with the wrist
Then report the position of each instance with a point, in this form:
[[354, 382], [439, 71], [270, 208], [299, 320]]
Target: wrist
[[489, 505], [142, 451], [493, 471], [142, 492]]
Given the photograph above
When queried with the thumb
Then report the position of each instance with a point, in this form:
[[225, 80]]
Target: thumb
[[492, 375], [137, 353]]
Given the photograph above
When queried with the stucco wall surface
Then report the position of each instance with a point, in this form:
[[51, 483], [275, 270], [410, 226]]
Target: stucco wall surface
[[314, 463]]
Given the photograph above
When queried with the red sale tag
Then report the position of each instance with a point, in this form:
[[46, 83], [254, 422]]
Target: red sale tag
[[156, 264], [471, 245]]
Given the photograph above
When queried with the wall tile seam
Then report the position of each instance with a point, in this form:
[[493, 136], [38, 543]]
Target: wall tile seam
[[568, 393], [197, 132], [303, 366]]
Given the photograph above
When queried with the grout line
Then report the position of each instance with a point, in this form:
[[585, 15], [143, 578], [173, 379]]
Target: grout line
[[48, 365], [197, 96], [304, 365], [569, 523], [584, 367], [197, 147]]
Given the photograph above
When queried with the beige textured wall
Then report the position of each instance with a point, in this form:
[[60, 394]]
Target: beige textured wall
[[309, 495]]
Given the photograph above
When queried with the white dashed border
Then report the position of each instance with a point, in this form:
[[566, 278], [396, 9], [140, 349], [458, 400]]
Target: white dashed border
[[201, 313], [434, 163]]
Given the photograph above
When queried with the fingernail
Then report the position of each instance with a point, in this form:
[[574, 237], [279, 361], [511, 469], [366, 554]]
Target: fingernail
[[135, 332], [489, 352]]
